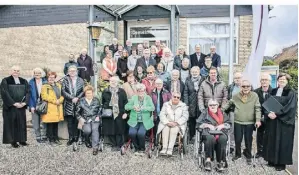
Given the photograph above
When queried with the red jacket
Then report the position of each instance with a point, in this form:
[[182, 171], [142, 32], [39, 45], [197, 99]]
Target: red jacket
[[149, 87]]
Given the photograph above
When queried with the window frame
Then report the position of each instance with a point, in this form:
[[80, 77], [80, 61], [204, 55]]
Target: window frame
[[215, 20]]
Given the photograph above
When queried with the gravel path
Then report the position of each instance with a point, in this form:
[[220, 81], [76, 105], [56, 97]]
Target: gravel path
[[44, 159]]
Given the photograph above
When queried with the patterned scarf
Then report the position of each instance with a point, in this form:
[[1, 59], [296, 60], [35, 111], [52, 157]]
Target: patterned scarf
[[114, 101], [195, 81]]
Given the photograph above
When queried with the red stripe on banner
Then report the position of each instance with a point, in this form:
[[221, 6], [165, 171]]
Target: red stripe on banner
[[261, 23]]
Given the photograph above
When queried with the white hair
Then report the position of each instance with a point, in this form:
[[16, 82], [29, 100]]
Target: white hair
[[114, 78], [213, 101], [72, 67], [175, 71], [37, 69], [140, 86], [14, 67], [186, 59], [158, 80], [176, 93], [195, 68], [197, 45], [266, 75], [245, 80]]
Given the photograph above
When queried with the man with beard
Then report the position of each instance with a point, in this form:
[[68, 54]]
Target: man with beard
[[15, 95], [68, 64]]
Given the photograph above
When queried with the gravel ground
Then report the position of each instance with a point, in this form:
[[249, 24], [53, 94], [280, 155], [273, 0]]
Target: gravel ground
[[44, 159]]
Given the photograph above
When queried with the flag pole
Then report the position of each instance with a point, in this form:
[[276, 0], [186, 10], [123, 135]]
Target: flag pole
[[231, 45]]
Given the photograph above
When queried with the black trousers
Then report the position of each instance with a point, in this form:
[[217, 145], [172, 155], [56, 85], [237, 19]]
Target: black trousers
[[72, 126], [52, 131], [219, 145], [116, 140], [192, 125], [260, 138], [239, 132]]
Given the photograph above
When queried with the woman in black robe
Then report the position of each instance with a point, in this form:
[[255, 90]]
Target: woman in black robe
[[15, 96], [280, 127]]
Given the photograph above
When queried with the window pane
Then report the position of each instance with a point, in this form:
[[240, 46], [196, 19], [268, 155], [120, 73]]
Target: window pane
[[222, 47], [149, 32], [208, 29]]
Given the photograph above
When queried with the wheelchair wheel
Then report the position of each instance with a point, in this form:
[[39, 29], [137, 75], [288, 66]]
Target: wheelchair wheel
[[185, 143]]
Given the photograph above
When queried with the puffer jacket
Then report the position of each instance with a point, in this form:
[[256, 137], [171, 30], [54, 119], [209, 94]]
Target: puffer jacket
[[207, 91], [205, 118], [191, 95], [179, 114], [69, 95], [88, 112]]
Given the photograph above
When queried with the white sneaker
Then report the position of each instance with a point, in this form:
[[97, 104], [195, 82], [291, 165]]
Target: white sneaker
[[163, 151], [169, 152]]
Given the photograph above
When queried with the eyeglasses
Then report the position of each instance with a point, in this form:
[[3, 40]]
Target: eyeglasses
[[17, 70], [213, 104], [150, 72], [177, 97], [264, 80], [246, 86]]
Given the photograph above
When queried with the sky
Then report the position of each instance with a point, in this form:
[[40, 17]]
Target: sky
[[283, 28]]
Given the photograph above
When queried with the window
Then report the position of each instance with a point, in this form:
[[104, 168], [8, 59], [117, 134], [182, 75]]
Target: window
[[212, 31]]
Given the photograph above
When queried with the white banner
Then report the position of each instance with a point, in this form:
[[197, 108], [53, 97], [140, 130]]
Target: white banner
[[258, 43]]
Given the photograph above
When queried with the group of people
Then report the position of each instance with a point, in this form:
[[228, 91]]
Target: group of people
[[159, 91]]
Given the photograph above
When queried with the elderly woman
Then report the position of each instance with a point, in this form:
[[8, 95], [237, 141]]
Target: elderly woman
[[192, 85], [167, 59], [185, 70], [173, 119], [114, 98], [140, 74], [150, 79], [130, 85], [159, 96], [161, 73], [175, 85], [122, 66], [280, 126], [214, 119], [132, 60], [88, 113], [35, 85], [141, 107], [109, 67], [51, 93], [154, 54], [178, 59]]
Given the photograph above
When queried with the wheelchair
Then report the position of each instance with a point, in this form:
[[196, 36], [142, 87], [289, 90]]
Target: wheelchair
[[181, 143], [199, 148]]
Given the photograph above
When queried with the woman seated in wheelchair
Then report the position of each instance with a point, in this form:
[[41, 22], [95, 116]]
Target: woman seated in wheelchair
[[140, 121], [213, 119], [88, 112], [173, 119]]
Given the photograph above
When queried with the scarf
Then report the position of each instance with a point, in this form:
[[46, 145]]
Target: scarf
[[175, 86], [195, 81], [218, 117], [56, 90], [114, 101]]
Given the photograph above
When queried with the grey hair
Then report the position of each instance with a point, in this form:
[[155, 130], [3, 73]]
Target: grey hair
[[175, 71], [245, 80], [213, 101], [197, 45], [140, 86], [186, 59], [114, 78], [158, 80], [72, 67], [15, 67], [176, 93], [195, 68], [38, 69], [268, 76]]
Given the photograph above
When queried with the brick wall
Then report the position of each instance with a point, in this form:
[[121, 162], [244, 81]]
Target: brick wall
[[183, 35]]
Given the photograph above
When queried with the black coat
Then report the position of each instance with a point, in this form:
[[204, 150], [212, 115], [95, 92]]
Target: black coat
[[216, 60], [177, 64], [141, 62], [122, 67], [190, 97], [114, 49], [279, 132], [194, 61], [259, 92], [88, 111], [85, 75], [68, 94], [158, 59], [111, 126], [167, 86]]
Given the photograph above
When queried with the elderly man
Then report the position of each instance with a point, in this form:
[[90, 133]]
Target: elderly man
[[15, 96], [216, 59], [145, 61], [72, 61], [175, 85], [140, 49], [128, 47], [86, 62], [198, 58], [247, 114], [263, 93], [114, 45], [234, 89], [146, 44], [119, 53], [72, 91], [212, 88]]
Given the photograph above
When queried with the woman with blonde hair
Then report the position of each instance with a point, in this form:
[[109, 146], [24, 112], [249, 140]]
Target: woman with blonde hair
[[35, 85]]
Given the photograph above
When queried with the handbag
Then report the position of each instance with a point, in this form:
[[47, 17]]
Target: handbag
[[41, 107], [107, 113]]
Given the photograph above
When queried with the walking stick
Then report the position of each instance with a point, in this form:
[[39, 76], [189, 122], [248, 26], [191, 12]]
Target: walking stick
[[255, 148]]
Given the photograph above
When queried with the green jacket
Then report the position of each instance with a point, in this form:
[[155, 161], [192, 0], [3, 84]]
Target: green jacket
[[147, 109]]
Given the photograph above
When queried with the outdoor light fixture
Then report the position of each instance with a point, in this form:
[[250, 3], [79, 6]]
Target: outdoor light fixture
[[95, 30]]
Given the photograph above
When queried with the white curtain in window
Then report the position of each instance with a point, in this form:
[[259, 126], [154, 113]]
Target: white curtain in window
[[208, 29]]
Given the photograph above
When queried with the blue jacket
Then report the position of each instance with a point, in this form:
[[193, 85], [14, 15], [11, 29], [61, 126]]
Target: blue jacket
[[33, 92]]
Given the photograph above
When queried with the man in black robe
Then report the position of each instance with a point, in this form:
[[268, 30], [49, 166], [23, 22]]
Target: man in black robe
[[280, 127], [15, 96]]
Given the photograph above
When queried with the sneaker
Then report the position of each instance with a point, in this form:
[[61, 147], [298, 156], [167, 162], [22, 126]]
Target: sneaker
[[163, 151], [236, 158], [208, 166], [220, 167], [169, 152], [249, 161]]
